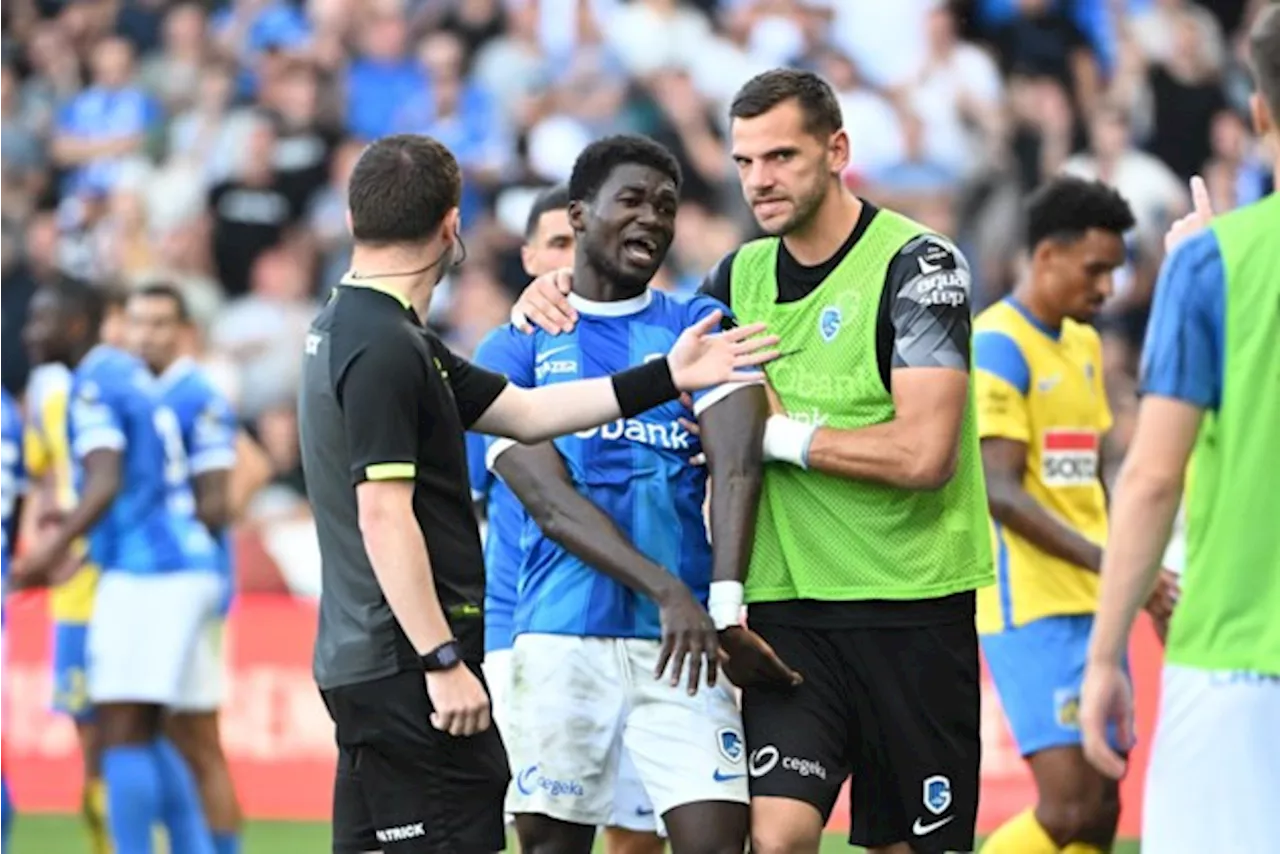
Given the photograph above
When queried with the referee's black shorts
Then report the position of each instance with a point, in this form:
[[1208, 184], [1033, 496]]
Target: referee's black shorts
[[404, 787], [898, 708]]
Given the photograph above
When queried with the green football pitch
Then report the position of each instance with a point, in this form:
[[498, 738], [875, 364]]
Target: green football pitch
[[44, 834]]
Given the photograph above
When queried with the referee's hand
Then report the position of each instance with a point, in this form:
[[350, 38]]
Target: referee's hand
[[688, 632], [461, 704]]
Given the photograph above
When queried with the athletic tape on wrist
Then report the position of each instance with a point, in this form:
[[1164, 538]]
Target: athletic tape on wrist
[[724, 603], [788, 440]]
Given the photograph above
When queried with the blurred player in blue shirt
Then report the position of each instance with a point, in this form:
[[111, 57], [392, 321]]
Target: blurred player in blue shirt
[[159, 580], [160, 332], [12, 486], [548, 245], [616, 560]]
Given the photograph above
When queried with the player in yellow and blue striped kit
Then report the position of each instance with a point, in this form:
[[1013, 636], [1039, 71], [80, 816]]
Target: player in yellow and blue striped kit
[[1042, 414], [48, 459]]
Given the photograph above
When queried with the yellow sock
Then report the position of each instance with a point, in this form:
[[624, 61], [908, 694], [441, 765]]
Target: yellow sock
[[1082, 848], [94, 810], [1021, 834]]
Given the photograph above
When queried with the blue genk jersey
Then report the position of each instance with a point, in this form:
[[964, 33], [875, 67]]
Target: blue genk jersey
[[12, 482], [1184, 354], [208, 426], [151, 526], [637, 470], [506, 520]]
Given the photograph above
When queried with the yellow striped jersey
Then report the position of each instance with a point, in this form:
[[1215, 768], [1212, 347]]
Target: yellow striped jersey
[[48, 453], [1043, 387]]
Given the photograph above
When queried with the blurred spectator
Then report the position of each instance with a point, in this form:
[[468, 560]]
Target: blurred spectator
[[1186, 93], [1154, 192], [210, 134], [461, 115], [1235, 172], [1040, 42], [382, 77], [1155, 31], [108, 122], [251, 212], [172, 75], [305, 142], [262, 332]]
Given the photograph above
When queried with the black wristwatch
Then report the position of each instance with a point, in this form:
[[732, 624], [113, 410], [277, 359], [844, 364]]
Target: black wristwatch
[[444, 657]]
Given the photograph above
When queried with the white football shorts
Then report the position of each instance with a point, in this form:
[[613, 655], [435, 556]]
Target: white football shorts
[[1215, 764], [632, 809], [204, 683], [580, 705], [144, 632]]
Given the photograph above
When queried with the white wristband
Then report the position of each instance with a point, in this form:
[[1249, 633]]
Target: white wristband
[[787, 440], [724, 603], [517, 317]]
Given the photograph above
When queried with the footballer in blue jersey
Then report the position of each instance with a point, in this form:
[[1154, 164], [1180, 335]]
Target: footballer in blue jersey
[[159, 328], [616, 564], [12, 486], [548, 245], [159, 582]]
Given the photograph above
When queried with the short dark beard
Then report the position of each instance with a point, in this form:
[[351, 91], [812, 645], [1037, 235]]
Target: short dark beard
[[806, 210]]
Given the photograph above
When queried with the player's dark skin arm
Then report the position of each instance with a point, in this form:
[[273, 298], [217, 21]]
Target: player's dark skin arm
[[1004, 462], [102, 478], [732, 438], [537, 476], [213, 499]]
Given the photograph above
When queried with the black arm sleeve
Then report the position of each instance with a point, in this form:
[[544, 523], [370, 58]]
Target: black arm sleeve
[[474, 388], [925, 317], [381, 393], [716, 284]]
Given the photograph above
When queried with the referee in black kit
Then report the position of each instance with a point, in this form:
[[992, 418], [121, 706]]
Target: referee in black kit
[[382, 412]]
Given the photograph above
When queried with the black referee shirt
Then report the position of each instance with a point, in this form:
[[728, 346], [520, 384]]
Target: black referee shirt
[[383, 399]]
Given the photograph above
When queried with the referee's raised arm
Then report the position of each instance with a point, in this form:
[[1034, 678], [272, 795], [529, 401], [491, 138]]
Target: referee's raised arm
[[382, 414]]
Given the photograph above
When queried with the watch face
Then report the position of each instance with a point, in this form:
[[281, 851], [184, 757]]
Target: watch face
[[449, 656]]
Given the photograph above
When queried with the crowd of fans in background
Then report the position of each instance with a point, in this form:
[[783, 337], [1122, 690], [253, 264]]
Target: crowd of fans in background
[[208, 143]]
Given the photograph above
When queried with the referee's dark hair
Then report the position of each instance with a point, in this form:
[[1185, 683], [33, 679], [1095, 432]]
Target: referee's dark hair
[[815, 97], [401, 189], [1066, 207], [169, 291], [1264, 56], [598, 160], [551, 199]]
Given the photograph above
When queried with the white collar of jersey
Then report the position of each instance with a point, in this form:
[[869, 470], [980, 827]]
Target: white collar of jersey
[[171, 375], [618, 308]]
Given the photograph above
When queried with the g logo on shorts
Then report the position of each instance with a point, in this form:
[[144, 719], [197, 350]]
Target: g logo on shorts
[[763, 760]]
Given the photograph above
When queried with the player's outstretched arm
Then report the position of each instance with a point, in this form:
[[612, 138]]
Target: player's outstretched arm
[[536, 474], [47, 563], [1004, 462], [701, 358]]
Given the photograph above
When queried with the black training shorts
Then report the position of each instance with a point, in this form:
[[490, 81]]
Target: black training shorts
[[404, 787], [898, 708]]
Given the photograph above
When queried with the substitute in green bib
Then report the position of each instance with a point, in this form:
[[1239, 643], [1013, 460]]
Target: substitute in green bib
[[1211, 385], [872, 529]]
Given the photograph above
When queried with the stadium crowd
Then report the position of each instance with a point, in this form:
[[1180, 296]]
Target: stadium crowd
[[208, 144]]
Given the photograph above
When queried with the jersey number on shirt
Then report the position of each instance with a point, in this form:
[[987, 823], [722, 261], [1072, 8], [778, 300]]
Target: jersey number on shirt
[[176, 472]]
